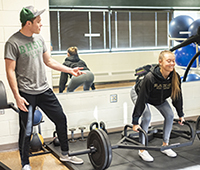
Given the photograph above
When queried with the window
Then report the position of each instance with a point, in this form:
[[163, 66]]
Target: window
[[143, 29], [108, 30]]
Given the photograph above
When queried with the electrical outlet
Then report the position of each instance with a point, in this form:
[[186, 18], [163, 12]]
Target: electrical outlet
[[2, 112], [113, 98]]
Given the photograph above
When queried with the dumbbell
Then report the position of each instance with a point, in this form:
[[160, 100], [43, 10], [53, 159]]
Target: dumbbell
[[72, 140], [82, 129]]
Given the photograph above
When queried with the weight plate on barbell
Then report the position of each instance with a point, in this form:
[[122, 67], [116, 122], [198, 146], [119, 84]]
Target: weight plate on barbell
[[101, 158], [109, 148], [198, 127]]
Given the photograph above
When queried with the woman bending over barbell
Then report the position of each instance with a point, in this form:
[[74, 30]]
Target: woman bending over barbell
[[159, 84]]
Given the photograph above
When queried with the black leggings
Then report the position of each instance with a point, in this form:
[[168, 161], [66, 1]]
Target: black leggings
[[50, 105]]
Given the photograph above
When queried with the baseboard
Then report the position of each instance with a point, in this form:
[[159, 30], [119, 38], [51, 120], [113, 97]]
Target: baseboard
[[8, 147]]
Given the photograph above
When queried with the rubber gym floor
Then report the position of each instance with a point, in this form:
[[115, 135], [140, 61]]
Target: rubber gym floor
[[127, 159]]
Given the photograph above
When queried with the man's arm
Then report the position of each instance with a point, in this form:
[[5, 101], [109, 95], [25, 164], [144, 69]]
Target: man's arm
[[10, 72], [50, 62]]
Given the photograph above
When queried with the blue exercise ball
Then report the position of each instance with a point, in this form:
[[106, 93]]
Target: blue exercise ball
[[37, 117], [184, 54], [194, 27], [192, 77], [178, 24]]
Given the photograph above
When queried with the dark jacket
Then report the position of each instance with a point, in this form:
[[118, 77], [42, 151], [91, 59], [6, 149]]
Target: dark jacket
[[155, 89], [72, 62]]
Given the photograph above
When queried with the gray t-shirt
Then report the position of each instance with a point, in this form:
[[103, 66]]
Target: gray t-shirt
[[30, 68]]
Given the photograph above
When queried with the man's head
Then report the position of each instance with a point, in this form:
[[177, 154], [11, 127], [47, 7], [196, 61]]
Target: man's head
[[28, 13]]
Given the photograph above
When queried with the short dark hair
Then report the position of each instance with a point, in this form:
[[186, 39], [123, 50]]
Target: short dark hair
[[23, 24]]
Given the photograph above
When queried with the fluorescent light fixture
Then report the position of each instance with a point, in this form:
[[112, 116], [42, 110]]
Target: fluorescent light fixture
[[92, 35], [184, 32]]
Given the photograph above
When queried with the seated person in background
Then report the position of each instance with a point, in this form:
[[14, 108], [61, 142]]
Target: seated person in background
[[159, 84], [73, 61]]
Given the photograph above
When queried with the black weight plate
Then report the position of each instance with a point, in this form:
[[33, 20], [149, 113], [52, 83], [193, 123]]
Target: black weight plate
[[3, 98], [198, 127], [109, 148], [98, 159]]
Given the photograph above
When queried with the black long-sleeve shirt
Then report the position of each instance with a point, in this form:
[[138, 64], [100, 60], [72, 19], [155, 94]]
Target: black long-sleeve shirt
[[155, 89], [72, 62]]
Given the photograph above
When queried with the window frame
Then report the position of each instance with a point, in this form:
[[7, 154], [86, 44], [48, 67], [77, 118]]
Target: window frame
[[109, 30]]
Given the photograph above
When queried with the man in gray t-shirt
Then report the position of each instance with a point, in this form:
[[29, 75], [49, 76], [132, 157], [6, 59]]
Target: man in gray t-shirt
[[27, 52], [25, 57]]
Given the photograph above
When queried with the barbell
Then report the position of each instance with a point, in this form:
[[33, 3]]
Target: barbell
[[99, 148]]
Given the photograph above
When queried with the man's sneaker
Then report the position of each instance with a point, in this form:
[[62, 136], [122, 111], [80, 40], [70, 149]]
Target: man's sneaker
[[170, 153], [26, 167], [72, 159], [146, 156]]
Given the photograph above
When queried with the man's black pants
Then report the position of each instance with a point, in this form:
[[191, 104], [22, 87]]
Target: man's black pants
[[50, 105]]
